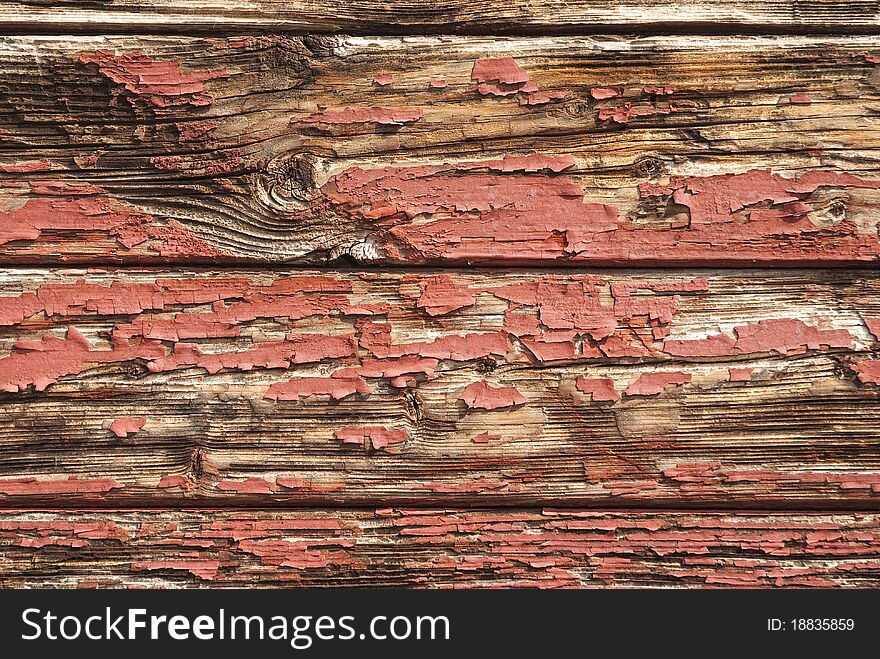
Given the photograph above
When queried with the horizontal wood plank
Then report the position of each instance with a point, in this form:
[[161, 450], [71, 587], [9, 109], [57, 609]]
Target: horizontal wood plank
[[444, 16], [440, 150], [639, 388], [437, 548]]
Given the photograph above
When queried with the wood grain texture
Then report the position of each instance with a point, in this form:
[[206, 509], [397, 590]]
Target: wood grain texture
[[437, 548], [440, 150], [637, 388], [444, 16]]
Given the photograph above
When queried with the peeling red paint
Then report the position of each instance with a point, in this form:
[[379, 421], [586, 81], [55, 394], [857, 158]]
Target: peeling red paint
[[602, 389], [73, 485], [168, 482], [40, 363], [782, 335], [868, 371], [68, 207], [504, 70], [651, 384], [481, 395], [437, 83], [195, 131], [739, 374], [159, 85], [623, 114], [383, 80], [440, 296], [126, 425], [525, 217], [379, 437], [502, 76], [800, 98], [336, 388], [485, 438], [601, 93]]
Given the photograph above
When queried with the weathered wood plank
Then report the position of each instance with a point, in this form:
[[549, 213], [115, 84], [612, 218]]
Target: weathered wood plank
[[684, 388], [604, 151], [444, 16], [437, 548]]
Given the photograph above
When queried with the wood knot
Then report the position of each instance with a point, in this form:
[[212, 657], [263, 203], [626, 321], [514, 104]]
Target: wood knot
[[290, 181], [486, 365], [649, 167]]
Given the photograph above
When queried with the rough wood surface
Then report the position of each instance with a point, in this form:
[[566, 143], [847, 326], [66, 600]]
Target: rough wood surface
[[444, 150], [678, 388], [437, 548], [443, 16]]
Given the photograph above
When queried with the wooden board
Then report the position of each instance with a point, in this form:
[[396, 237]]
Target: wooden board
[[677, 388], [444, 16], [440, 150], [436, 548]]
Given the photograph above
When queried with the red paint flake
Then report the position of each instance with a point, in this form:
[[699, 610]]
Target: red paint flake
[[480, 395], [502, 76], [542, 98], [602, 389], [379, 437], [441, 295], [479, 214], [485, 438], [377, 339], [651, 384], [296, 349], [739, 374], [336, 388], [437, 83], [159, 85], [40, 363], [80, 208], [868, 371], [389, 368], [127, 425], [247, 486], [73, 485], [203, 569], [169, 482], [800, 98], [383, 80], [781, 335], [658, 91], [377, 115], [873, 325], [547, 351], [601, 93], [499, 69], [300, 555], [194, 131], [622, 114]]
